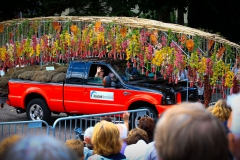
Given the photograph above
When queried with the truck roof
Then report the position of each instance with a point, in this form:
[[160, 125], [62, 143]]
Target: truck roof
[[103, 60]]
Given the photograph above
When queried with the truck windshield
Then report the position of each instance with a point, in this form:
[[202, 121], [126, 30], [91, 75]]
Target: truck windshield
[[128, 74]]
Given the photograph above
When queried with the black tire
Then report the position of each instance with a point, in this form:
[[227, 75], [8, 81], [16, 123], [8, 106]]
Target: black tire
[[137, 118], [37, 109], [154, 112]]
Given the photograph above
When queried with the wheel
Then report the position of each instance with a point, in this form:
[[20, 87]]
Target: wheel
[[37, 109], [138, 116]]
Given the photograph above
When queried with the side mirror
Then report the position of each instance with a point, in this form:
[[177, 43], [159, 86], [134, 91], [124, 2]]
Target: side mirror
[[106, 81]]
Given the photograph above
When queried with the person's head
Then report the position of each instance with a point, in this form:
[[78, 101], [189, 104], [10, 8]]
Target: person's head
[[111, 75], [190, 132], [88, 132], [106, 138], [38, 148], [210, 108], [135, 135], [102, 72], [7, 143], [107, 118], [88, 137], [221, 110], [123, 131], [148, 125], [76, 145]]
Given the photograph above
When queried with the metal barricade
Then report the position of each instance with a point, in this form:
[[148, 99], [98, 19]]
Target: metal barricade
[[23, 128], [74, 126]]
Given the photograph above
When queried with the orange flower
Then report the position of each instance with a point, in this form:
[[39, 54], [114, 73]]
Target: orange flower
[[190, 45], [56, 25], [74, 29], [220, 52], [97, 26], [1, 28], [155, 32], [210, 43], [123, 31], [153, 39], [183, 39]]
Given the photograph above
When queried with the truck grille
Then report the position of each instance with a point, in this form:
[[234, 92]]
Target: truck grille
[[192, 95]]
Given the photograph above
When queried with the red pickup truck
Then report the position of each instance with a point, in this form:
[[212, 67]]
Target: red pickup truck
[[84, 93]]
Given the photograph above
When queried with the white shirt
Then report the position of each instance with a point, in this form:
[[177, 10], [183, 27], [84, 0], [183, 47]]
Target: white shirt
[[136, 151]]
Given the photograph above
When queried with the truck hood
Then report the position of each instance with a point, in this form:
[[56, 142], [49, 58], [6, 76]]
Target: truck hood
[[160, 86]]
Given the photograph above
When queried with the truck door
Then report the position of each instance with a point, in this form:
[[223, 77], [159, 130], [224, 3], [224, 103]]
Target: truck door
[[73, 89], [98, 99]]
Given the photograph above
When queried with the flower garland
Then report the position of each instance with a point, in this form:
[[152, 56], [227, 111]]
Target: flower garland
[[144, 47]]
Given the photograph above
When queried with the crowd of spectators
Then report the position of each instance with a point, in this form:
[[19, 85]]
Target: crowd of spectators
[[186, 131]]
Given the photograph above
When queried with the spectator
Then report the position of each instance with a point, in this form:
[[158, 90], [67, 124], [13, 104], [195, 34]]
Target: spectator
[[189, 132], [233, 124], [107, 118], [151, 152], [7, 143], [123, 135], [210, 108], [221, 110], [126, 116], [233, 142], [148, 125], [88, 150], [137, 143], [40, 147], [106, 141], [76, 145]]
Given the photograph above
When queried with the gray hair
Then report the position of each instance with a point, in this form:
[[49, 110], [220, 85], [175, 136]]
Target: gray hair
[[88, 132], [38, 148]]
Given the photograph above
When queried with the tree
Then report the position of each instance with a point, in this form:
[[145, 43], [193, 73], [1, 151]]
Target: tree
[[218, 16]]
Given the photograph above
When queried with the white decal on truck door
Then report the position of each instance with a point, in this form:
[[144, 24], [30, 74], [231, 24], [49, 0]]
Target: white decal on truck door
[[109, 96]]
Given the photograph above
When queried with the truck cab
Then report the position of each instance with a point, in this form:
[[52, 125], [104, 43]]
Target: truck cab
[[123, 91]]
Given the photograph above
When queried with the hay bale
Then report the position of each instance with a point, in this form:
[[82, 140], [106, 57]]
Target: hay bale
[[36, 74], [62, 69], [16, 73], [4, 82], [50, 75], [56, 65], [41, 77], [27, 75], [60, 77], [31, 68], [11, 70]]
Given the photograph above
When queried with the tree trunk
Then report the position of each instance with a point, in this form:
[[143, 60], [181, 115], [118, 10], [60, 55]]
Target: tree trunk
[[180, 16], [164, 16]]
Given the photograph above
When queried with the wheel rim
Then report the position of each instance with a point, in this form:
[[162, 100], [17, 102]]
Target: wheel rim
[[36, 112]]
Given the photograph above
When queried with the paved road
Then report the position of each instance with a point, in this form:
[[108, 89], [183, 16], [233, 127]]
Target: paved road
[[9, 114]]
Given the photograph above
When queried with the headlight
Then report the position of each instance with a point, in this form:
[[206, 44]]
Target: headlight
[[168, 99]]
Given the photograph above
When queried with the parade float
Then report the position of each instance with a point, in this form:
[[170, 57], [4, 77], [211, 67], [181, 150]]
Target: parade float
[[33, 44]]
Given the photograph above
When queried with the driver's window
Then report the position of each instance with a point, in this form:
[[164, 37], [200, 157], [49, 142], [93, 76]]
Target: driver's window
[[98, 72]]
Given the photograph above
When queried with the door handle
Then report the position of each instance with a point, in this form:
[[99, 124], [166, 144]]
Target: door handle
[[126, 93]]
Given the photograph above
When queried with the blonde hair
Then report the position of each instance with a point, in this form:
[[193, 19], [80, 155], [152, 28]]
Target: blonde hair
[[221, 110], [8, 142], [76, 145], [189, 132], [106, 138]]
